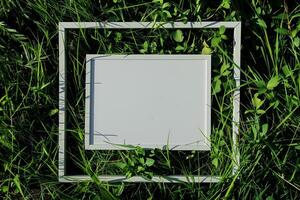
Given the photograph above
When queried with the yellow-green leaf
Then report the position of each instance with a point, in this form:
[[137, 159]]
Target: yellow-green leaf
[[273, 82], [257, 102], [149, 162], [178, 36], [262, 23]]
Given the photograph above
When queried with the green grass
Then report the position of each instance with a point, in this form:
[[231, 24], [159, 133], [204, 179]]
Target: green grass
[[270, 99]]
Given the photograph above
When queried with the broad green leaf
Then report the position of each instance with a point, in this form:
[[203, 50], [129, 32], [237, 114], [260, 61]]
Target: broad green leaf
[[158, 1], [53, 112], [226, 73], [297, 147], [149, 162], [215, 162], [166, 5], [224, 37], [282, 31], [142, 160], [273, 82], [179, 48], [153, 46], [225, 4], [223, 70], [140, 150], [175, 11], [118, 37], [167, 13], [259, 111], [261, 85], [264, 129], [178, 36], [258, 10], [121, 165], [222, 143], [215, 41], [281, 16], [4, 188], [206, 51], [262, 23], [222, 30], [142, 51], [140, 169], [145, 47], [295, 101], [274, 104], [294, 33], [257, 102], [149, 175], [254, 131], [216, 86], [128, 174], [287, 71], [17, 183], [131, 163]]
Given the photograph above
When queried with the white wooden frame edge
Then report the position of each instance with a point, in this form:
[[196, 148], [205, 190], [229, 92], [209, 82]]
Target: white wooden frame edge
[[62, 26]]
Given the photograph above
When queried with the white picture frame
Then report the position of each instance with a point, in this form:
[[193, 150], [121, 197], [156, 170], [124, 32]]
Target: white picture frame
[[64, 26]]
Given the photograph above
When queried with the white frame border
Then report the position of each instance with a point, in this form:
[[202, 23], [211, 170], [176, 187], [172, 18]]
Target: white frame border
[[147, 25]]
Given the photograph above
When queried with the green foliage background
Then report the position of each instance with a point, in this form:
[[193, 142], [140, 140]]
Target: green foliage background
[[270, 98]]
